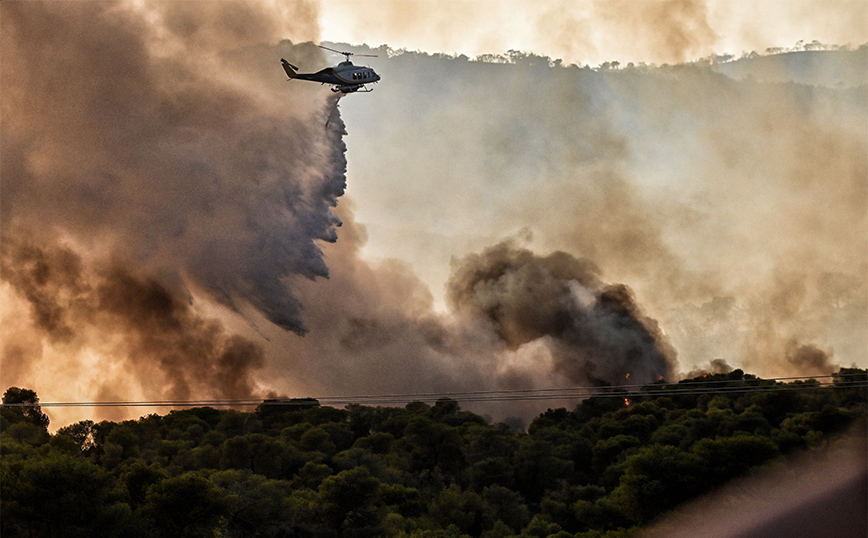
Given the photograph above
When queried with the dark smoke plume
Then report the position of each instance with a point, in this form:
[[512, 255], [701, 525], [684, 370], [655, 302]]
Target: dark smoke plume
[[155, 162], [598, 333], [180, 160], [139, 322], [715, 366], [809, 358]]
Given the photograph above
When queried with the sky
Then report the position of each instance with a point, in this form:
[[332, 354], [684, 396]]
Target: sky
[[591, 32], [180, 222]]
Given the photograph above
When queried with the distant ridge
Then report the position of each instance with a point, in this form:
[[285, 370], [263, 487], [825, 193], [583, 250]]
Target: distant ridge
[[829, 68]]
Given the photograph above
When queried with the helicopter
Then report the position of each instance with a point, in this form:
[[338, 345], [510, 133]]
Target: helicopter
[[344, 77]]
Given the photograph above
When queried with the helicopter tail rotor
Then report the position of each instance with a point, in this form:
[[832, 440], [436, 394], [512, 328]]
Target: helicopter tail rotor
[[291, 70]]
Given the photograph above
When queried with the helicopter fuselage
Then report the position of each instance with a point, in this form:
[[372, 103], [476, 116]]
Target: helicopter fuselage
[[344, 78]]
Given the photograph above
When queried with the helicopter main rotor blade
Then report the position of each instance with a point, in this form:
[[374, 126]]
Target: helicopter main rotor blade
[[347, 53], [333, 50]]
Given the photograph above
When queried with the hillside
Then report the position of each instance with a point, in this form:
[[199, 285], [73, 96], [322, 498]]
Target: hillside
[[830, 68], [610, 467]]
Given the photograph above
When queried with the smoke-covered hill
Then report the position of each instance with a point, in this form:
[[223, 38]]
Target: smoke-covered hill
[[832, 69]]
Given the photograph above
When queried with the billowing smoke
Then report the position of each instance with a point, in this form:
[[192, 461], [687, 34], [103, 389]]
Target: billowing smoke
[[598, 333], [147, 330], [168, 157], [155, 162], [170, 210], [516, 320], [729, 197], [809, 358]]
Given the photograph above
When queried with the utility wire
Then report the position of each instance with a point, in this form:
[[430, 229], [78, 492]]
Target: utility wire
[[684, 388]]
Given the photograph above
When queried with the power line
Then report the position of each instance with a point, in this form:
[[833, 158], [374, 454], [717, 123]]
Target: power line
[[684, 388]]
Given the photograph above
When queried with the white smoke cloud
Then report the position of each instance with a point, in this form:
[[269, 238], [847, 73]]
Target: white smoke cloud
[[734, 209]]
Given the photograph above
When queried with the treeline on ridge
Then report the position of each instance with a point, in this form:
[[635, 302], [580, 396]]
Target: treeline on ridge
[[605, 469]]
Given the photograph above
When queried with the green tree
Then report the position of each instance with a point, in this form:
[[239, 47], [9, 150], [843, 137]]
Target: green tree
[[406, 501], [492, 471], [464, 509], [60, 495], [358, 457], [81, 432], [656, 479], [444, 472], [433, 444], [675, 434], [311, 475], [776, 404], [538, 468], [260, 509], [347, 503], [727, 457], [187, 505], [22, 405], [506, 506], [378, 442], [540, 527], [138, 478], [26, 433], [317, 439], [607, 451]]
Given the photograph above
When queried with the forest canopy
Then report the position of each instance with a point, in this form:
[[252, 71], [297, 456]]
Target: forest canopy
[[607, 468]]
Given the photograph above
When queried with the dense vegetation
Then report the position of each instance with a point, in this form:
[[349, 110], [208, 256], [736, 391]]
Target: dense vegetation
[[300, 469]]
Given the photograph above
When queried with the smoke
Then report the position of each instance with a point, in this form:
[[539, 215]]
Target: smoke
[[677, 30], [133, 319], [516, 320], [155, 162], [597, 332], [735, 210], [809, 358], [160, 156], [170, 213], [591, 32], [714, 366]]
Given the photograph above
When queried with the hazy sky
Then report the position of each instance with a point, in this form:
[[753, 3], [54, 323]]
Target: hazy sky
[[584, 32], [590, 32]]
